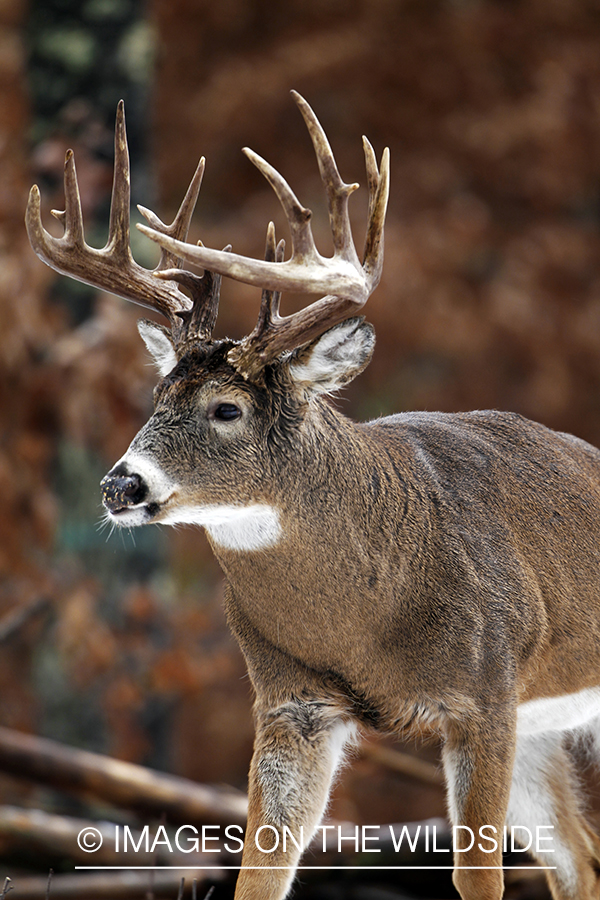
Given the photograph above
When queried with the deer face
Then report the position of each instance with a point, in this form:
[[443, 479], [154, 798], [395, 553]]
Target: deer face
[[202, 456], [216, 449]]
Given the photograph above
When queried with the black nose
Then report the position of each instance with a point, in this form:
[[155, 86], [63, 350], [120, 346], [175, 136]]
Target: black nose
[[120, 491]]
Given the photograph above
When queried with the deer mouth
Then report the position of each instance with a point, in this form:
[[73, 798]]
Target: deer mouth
[[128, 514], [131, 516]]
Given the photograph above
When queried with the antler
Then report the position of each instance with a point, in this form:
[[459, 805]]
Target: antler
[[346, 281], [113, 268]]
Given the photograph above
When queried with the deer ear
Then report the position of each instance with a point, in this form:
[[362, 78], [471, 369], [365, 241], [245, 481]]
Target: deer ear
[[334, 358], [159, 343]]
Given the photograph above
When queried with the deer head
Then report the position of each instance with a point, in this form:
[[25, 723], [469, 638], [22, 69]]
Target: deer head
[[226, 405]]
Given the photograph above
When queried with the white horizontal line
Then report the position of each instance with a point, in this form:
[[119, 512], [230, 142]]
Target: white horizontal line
[[316, 868]]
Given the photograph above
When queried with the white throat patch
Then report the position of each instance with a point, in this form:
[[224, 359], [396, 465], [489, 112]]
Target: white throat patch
[[254, 527]]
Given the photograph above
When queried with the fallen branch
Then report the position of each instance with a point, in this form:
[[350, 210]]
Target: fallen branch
[[108, 885], [100, 843], [121, 783], [403, 763]]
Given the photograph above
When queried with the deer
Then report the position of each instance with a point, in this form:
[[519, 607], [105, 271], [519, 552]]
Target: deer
[[421, 572]]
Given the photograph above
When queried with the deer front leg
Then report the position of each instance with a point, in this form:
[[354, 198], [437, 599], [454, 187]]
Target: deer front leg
[[297, 749], [478, 762]]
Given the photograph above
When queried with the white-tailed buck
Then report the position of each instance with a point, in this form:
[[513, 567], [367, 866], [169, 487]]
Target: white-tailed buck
[[424, 570]]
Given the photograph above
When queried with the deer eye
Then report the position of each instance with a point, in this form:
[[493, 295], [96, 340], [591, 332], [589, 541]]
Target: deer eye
[[225, 412]]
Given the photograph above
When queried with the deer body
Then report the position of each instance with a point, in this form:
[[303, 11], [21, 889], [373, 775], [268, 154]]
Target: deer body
[[421, 544], [422, 571]]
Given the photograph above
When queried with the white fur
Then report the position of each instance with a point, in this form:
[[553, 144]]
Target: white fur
[[283, 776], [458, 780], [160, 487], [531, 803], [558, 713], [539, 750], [130, 517], [342, 734], [253, 527], [335, 358], [324, 360], [159, 346]]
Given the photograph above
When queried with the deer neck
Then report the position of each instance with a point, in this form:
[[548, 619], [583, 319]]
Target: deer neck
[[342, 494]]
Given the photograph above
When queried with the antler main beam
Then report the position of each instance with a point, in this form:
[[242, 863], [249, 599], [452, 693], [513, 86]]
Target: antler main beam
[[346, 282]]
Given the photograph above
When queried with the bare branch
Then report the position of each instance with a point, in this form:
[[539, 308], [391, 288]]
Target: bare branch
[[403, 764], [121, 783], [109, 885]]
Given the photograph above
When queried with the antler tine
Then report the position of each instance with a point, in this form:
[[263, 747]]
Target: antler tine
[[286, 333], [298, 217], [306, 271], [112, 268], [244, 356], [181, 223], [269, 304], [379, 190], [118, 228], [72, 217], [337, 191], [197, 323]]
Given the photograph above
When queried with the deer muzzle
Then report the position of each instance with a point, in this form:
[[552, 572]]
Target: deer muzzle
[[120, 491]]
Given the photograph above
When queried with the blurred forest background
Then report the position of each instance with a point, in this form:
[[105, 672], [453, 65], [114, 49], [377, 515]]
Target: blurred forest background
[[490, 298]]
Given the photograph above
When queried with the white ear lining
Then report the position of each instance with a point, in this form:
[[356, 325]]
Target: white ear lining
[[159, 344], [335, 358]]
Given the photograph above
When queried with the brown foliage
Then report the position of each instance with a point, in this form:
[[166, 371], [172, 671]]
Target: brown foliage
[[490, 295]]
